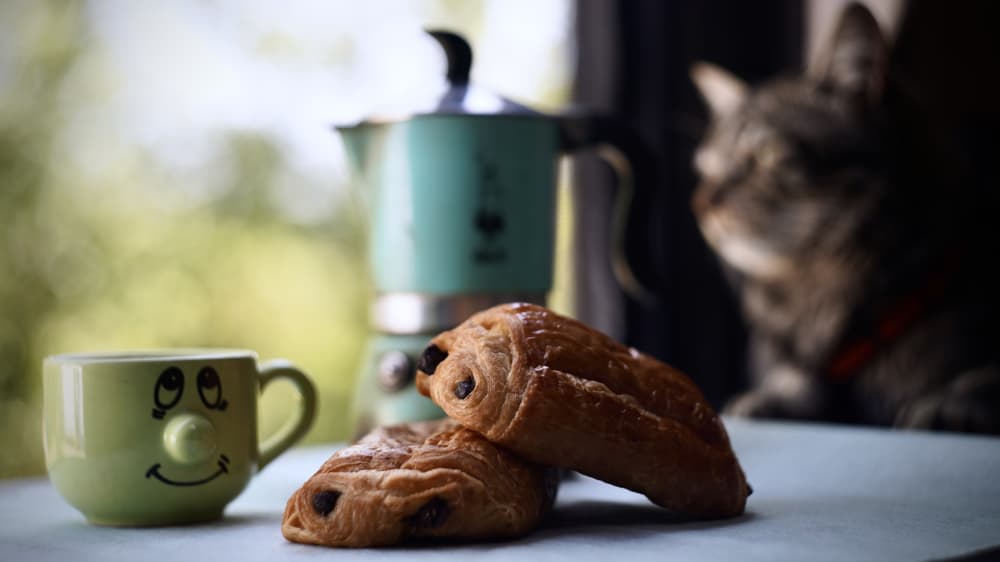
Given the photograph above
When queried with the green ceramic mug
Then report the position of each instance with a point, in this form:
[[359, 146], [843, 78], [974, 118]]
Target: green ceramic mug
[[161, 437]]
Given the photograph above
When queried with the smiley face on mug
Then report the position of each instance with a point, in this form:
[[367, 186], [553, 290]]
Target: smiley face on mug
[[189, 436]]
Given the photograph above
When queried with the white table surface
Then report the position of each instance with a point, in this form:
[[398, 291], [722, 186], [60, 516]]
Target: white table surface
[[820, 493]]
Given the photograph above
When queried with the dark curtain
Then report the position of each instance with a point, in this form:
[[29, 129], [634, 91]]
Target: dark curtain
[[633, 61]]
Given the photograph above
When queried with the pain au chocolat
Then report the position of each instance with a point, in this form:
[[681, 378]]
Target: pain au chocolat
[[416, 481], [559, 393]]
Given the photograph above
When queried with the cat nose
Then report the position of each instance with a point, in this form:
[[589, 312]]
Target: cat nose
[[189, 438], [708, 196], [701, 201]]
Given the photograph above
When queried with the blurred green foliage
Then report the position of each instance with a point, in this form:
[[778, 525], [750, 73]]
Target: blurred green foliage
[[98, 263]]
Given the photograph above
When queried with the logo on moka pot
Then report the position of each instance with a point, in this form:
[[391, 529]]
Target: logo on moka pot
[[488, 219]]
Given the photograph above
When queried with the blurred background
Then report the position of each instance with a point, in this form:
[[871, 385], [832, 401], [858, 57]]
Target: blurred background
[[169, 177]]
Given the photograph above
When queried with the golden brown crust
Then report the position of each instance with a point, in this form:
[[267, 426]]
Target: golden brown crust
[[557, 392], [426, 479]]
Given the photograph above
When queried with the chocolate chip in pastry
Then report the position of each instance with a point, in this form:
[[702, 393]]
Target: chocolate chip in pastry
[[419, 480], [559, 393]]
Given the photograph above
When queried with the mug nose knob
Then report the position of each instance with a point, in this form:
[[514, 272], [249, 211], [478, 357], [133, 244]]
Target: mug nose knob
[[189, 438]]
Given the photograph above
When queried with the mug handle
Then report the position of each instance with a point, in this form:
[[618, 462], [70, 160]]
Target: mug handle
[[304, 411], [635, 167]]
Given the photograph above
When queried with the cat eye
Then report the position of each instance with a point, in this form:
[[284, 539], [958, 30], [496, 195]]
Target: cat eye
[[771, 155]]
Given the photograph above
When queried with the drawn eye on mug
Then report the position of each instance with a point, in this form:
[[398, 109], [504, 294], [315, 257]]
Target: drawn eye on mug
[[210, 389], [168, 391]]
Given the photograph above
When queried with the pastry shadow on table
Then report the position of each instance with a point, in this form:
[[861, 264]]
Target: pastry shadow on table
[[623, 519], [608, 520], [987, 554]]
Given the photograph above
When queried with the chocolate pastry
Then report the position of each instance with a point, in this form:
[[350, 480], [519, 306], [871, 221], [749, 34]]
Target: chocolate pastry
[[559, 393], [424, 479]]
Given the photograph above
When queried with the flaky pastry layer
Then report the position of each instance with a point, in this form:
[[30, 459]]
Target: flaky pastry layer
[[419, 480], [559, 393]]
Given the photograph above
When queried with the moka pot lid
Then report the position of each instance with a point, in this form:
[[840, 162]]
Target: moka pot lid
[[461, 97]]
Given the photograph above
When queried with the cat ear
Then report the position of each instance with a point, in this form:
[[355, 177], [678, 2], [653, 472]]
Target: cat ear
[[723, 91], [855, 62]]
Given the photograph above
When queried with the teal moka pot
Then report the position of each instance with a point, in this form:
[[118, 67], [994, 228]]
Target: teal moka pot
[[462, 217]]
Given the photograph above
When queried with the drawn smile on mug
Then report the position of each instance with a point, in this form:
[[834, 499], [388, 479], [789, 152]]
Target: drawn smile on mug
[[189, 437], [154, 471]]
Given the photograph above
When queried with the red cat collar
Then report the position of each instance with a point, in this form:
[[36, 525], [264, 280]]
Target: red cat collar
[[893, 323]]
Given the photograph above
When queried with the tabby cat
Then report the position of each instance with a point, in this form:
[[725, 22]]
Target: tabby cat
[[867, 281]]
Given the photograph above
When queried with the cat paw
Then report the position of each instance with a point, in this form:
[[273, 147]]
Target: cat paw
[[970, 404], [942, 412], [755, 404]]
